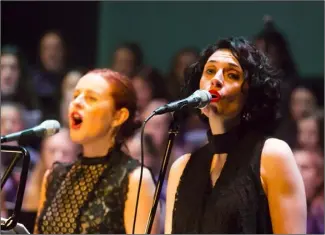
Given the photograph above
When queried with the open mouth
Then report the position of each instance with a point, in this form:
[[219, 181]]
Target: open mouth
[[76, 120], [215, 96]]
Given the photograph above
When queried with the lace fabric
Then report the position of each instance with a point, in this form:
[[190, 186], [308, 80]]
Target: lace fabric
[[88, 196]]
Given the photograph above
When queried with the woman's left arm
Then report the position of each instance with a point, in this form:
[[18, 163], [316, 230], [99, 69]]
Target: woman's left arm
[[284, 188]]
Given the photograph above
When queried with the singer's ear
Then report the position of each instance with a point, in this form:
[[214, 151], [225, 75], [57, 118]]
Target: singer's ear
[[120, 117]]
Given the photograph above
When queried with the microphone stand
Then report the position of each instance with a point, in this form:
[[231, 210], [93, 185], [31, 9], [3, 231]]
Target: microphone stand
[[173, 131], [13, 219]]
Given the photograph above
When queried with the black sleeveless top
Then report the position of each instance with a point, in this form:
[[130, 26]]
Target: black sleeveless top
[[87, 196], [237, 202]]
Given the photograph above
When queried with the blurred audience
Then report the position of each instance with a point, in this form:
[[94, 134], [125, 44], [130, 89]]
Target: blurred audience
[[49, 73], [302, 104], [128, 59], [16, 84], [311, 166], [274, 44], [68, 85], [149, 85], [311, 134], [175, 77]]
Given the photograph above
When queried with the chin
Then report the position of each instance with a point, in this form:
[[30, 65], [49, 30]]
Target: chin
[[77, 138]]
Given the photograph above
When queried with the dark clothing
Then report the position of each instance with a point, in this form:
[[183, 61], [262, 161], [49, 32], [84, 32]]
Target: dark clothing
[[88, 196], [48, 89], [237, 202]]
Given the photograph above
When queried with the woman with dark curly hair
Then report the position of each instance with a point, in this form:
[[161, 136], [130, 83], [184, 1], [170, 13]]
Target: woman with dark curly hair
[[242, 181], [97, 194]]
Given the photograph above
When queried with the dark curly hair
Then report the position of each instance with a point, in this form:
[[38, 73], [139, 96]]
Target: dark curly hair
[[261, 110]]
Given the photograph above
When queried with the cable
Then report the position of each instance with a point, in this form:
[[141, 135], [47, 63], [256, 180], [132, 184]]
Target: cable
[[141, 170]]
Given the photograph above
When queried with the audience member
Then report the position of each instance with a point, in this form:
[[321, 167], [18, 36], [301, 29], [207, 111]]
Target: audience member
[[183, 58], [69, 83], [149, 85], [311, 166], [128, 59], [48, 76]]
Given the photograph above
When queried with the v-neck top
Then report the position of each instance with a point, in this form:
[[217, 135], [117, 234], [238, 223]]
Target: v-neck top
[[236, 203]]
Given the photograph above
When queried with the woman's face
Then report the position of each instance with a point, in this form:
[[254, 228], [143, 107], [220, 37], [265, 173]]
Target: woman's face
[[143, 92], [69, 83], [302, 103], [9, 74], [183, 61], [52, 52], [58, 147], [223, 74], [124, 62], [11, 120], [92, 112], [308, 134], [309, 169]]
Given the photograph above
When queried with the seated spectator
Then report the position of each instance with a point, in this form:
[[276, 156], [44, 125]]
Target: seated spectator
[[49, 73], [311, 134], [303, 103], [175, 77], [16, 85], [128, 59], [311, 166], [149, 85], [68, 85]]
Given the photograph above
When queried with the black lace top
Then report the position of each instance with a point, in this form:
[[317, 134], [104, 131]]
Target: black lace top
[[236, 203], [88, 196]]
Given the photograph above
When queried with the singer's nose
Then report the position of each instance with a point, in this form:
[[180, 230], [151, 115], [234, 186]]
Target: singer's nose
[[217, 80], [78, 101]]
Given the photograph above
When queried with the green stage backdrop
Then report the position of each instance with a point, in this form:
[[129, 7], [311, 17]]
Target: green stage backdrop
[[162, 28]]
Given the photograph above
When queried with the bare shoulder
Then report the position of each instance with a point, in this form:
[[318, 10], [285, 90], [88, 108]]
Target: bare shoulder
[[278, 163], [275, 148], [180, 164], [135, 176]]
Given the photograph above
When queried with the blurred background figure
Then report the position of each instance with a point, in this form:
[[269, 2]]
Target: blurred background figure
[[175, 77], [310, 134], [56, 148], [16, 84], [70, 81], [311, 166], [149, 84], [128, 59], [49, 73], [274, 44]]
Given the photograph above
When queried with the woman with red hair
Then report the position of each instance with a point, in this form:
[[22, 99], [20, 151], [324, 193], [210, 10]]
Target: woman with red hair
[[98, 193]]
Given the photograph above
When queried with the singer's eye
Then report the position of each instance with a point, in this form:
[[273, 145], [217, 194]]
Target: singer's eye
[[209, 71], [91, 98], [233, 76]]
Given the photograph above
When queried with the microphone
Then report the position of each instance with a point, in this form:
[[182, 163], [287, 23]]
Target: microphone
[[45, 129], [199, 99]]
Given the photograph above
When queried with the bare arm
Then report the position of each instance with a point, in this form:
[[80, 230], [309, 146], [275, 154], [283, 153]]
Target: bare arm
[[175, 174], [284, 188], [145, 203], [42, 200]]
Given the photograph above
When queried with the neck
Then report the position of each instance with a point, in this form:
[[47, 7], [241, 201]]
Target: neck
[[220, 125], [98, 147]]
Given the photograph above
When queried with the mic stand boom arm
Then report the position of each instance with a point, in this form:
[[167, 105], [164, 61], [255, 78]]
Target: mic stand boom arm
[[13, 220], [173, 131]]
